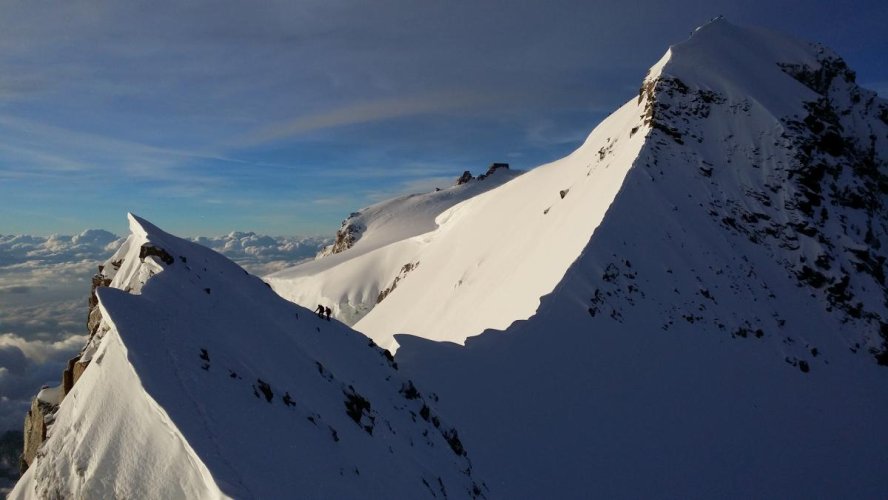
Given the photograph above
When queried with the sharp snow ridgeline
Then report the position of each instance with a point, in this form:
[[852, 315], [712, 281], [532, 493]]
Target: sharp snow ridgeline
[[198, 381], [693, 304]]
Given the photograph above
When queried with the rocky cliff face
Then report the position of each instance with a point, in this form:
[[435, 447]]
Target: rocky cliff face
[[467, 176], [35, 430], [346, 236], [840, 180], [812, 194], [42, 411]]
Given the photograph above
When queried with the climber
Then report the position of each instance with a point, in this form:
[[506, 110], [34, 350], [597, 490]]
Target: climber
[[328, 311], [320, 311]]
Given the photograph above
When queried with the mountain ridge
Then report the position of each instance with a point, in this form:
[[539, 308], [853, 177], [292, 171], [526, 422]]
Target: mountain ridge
[[690, 305], [374, 247], [783, 163], [198, 381], [686, 352]]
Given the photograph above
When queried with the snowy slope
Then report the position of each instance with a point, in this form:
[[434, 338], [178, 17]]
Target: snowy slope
[[372, 249], [405, 216], [720, 334], [493, 256], [488, 259], [202, 383]]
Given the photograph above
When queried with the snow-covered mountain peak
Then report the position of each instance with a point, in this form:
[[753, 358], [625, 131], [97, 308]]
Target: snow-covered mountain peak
[[744, 121], [741, 62], [198, 381], [726, 316], [774, 139], [143, 232], [497, 253], [764, 135]]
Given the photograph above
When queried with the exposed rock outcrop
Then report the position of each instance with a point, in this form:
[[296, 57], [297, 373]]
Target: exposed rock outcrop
[[464, 178], [410, 266], [153, 251], [493, 168], [346, 236], [36, 423], [94, 315], [467, 176]]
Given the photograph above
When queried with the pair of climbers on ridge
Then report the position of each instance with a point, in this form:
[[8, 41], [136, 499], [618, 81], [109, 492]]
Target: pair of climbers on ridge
[[322, 310]]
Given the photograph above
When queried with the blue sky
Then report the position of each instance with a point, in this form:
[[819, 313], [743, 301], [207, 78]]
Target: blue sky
[[283, 117]]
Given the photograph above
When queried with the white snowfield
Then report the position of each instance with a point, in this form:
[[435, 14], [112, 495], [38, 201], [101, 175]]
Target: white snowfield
[[203, 383], [488, 259], [493, 256], [350, 282]]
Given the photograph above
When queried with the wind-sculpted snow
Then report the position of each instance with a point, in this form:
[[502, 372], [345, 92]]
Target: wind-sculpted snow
[[200, 382]]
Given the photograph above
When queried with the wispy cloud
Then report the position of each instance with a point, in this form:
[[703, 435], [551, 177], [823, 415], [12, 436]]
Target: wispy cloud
[[90, 151], [367, 112], [547, 133], [172, 103]]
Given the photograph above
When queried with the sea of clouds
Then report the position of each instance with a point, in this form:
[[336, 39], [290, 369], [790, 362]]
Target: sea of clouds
[[44, 288]]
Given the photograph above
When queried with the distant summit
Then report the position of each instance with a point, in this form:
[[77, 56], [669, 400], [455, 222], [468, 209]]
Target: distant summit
[[467, 175], [354, 226]]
